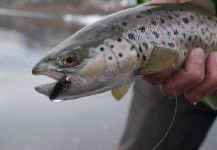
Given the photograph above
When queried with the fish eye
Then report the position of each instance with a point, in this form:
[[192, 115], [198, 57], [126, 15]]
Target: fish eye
[[69, 60]]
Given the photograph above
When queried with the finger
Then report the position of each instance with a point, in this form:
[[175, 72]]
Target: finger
[[157, 79], [209, 85], [187, 77]]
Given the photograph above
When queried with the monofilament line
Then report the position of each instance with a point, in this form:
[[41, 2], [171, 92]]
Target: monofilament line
[[172, 122]]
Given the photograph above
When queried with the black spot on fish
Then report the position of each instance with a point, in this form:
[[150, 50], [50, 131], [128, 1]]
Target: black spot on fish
[[181, 9], [176, 15], [162, 21], [176, 32], [110, 57], [206, 45], [189, 38], [138, 55], [148, 11], [119, 40], [153, 43], [168, 33], [195, 37], [163, 43], [142, 29], [203, 33], [132, 47], [213, 43], [140, 49], [184, 35], [131, 36], [113, 27], [112, 46], [200, 39], [153, 22], [144, 58], [170, 17], [145, 45], [192, 17], [102, 49], [208, 17], [185, 20], [156, 34], [138, 16], [171, 45], [124, 24], [120, 55]]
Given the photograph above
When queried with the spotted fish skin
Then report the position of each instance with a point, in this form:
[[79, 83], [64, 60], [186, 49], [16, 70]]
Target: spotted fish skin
[[113, 49], [177, 27]]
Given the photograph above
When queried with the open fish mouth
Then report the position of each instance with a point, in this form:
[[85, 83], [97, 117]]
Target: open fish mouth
[[51, 89]]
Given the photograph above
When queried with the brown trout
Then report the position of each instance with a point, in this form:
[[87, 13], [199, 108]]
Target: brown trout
[[113, 52]]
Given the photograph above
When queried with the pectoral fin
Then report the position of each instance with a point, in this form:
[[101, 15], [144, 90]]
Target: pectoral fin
[[119, 92], [160, 59]]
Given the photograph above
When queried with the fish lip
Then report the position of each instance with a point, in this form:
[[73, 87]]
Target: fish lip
[[46, 89], [54, 74]]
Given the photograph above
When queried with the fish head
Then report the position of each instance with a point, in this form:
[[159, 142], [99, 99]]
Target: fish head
[[80, 69]]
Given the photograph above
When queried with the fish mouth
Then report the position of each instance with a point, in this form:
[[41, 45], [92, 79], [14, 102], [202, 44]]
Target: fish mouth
[[47, 89]]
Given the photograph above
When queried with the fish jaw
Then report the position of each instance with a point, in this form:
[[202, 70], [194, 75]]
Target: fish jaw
[[43, 68], [45, 89]]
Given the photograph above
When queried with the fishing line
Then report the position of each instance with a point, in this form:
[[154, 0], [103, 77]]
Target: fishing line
[[172, 121]]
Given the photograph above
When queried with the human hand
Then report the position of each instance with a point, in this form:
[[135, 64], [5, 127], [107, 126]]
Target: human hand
[[196, 79]]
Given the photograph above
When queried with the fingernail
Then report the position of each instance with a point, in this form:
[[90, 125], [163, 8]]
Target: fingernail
[[199, 54]]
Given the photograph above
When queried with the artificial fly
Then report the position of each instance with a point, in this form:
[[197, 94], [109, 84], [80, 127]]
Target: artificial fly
[[62, 85]]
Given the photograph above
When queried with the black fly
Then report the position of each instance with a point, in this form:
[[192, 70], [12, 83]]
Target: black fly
[[62, 85]]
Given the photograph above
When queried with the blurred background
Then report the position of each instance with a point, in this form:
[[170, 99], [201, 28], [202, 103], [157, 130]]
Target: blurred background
[[28, 120]]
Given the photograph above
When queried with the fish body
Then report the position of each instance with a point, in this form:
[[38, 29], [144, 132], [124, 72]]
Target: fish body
[[113, 52]]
